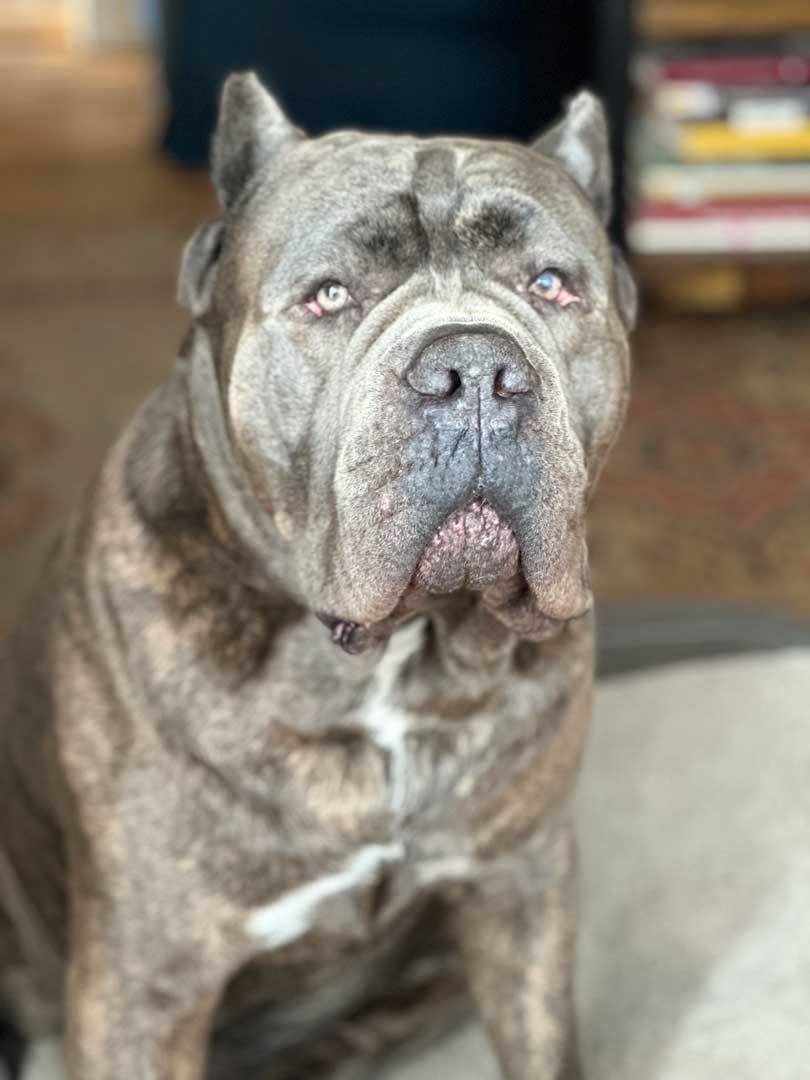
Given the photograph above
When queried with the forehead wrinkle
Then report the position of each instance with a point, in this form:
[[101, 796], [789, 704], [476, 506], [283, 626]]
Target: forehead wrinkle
[[554, 215], [437, 196], [493, 225], [390, 234]]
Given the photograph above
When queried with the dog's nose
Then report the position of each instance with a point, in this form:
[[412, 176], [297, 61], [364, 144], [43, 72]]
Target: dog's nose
[[485, 363]]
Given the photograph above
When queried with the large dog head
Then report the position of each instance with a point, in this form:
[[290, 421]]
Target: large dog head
[[421, 356]]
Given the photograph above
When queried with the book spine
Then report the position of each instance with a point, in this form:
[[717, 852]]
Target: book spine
[[708, 101], [706, 141], [738, 208], [788, 70], [700, 183], [662, 236]]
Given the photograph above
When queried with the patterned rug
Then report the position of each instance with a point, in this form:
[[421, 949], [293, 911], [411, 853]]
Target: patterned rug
[[707, 494]]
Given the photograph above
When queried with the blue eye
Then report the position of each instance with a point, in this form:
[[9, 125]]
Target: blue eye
[[549, 285]]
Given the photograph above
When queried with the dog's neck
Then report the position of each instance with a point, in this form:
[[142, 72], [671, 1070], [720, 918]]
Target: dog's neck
[[236, 520]]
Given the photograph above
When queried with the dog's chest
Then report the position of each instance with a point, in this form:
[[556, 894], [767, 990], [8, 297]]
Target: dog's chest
[[416, 770], [411, 833]]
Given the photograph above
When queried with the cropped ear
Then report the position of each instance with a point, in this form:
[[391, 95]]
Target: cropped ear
[[580, 143], [250, 131], [198, 268], [626, 293]]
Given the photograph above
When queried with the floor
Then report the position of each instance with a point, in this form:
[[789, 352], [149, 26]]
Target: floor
[[707, 495]]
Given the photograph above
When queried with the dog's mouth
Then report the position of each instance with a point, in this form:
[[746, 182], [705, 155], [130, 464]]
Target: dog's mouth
[[476, 550], [472, 549]]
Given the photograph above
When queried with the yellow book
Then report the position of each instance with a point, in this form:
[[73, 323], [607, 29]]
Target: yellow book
[[716, 139]]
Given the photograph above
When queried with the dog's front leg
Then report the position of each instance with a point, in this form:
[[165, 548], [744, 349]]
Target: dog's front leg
[[140, 994], [516, 931]]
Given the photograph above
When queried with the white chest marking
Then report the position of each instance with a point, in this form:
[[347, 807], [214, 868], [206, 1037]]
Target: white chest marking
[[386, 723], [293, 914], [43, 1061]]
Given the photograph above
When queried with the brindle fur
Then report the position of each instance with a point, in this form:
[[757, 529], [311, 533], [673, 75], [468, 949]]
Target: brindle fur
[[181, 743]]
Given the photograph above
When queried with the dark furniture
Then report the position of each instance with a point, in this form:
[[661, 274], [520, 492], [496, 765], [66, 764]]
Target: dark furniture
[[485, 67]]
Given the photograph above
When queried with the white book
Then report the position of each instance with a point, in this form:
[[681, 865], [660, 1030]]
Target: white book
[[719, 235], [700, 183]]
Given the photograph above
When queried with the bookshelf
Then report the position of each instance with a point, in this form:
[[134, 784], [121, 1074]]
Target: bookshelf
[[736, 278]]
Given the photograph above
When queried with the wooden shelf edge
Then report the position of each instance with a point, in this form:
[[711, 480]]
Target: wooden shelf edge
[[724, 282], [658, 20]]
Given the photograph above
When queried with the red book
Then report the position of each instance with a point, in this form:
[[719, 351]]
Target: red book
[[790, 69], [721, 227], [738, 208]]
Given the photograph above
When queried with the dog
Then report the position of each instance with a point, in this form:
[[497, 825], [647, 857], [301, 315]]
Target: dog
[[290, 728]]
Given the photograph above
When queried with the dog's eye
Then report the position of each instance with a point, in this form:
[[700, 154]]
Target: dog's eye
[[551, 286], [330, 298]]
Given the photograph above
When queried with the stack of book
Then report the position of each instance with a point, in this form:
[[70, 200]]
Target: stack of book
[[721, 150]]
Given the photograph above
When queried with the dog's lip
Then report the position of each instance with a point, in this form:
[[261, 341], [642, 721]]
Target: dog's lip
[[510, 601], [507, 594], [513, 604], [472, 547]]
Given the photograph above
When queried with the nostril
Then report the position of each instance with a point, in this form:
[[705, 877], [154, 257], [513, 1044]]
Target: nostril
[[509, 382], [439, 384]]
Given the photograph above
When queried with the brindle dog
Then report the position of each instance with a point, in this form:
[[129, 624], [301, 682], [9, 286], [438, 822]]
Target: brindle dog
[[290, 729]]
